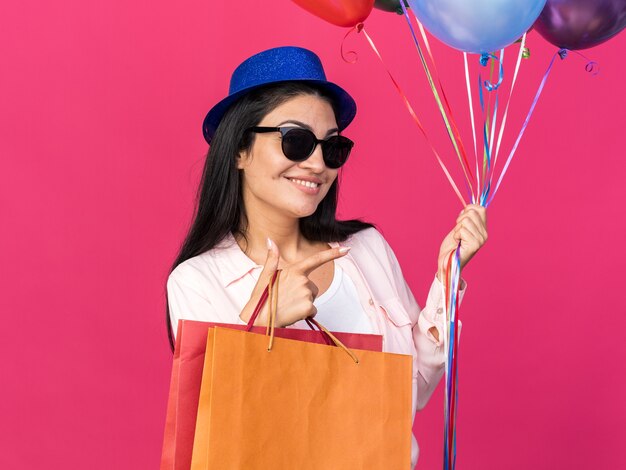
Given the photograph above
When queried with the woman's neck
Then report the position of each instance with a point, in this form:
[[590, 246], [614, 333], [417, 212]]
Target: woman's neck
[[284, 232]]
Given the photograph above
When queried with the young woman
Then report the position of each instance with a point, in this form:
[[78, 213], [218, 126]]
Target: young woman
[[267, 201]]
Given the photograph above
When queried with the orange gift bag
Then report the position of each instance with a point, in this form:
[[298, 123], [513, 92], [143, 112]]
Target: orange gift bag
[[275, 403], [182, 407]]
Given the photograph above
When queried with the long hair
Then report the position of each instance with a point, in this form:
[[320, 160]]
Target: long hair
[[219, 200]]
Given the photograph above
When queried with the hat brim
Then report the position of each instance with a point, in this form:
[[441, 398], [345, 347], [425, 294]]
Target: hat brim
[[345, 104]]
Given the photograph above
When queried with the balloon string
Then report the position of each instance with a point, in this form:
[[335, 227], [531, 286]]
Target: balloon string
[[447, 343], [490, 120], [525, 51], [414, 116], [443, 93], [450, 124], [485, 109], [487, 164], [562, 54], [451, 338], [472, 119], [520, 56], [354, 56], [591, 66], [495, 112]]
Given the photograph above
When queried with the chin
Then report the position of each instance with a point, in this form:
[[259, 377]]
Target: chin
[[304, 210]]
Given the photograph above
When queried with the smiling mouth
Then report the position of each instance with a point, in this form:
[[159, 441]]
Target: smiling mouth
[[307, 184]]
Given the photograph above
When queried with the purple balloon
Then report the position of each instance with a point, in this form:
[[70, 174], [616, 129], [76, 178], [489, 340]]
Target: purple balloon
[[579, 24]]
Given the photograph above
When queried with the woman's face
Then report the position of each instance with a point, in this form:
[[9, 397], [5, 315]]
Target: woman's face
[[269, 177]]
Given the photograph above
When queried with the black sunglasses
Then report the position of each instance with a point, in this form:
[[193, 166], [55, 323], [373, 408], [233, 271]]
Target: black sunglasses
[[298, 144]]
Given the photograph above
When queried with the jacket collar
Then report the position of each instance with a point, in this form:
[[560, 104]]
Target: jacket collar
[[233, 263]]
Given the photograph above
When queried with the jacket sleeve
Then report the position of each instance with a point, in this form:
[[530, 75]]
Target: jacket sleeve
[[430, 351]]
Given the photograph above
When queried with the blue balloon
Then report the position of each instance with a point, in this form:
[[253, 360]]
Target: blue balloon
[[477, 25]]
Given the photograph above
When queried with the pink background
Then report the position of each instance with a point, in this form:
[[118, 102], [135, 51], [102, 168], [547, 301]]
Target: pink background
[[101, 153]]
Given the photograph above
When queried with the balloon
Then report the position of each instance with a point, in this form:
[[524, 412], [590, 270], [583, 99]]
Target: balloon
[[390, 5], [345, 13], [579, 24], [477, 25]]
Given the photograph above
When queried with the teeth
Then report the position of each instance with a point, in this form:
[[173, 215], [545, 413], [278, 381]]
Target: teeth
[[308, 184]]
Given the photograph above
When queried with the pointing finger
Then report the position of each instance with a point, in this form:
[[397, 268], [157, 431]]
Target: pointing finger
[[271, 263], [307, 265]]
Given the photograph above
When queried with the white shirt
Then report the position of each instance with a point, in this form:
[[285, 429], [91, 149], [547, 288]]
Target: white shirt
[[339, 307]]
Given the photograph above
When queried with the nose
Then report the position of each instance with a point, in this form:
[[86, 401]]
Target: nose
[[315, 162]]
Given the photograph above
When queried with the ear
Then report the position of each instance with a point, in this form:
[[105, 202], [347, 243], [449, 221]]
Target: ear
[[242, 160]]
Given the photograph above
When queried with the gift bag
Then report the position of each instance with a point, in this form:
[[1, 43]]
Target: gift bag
[[182, 407], [276, 403]]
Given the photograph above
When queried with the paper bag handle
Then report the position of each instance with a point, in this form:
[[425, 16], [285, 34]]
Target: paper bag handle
[[271, 324], [264, 296], [261, 302], [323, 329]]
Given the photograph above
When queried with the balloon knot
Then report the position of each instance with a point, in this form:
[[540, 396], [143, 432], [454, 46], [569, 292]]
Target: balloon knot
[[484, 58], [359, 27], [562, 53]]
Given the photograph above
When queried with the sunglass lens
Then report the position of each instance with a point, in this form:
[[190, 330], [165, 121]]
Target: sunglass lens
[[336, 151], [298, 144]]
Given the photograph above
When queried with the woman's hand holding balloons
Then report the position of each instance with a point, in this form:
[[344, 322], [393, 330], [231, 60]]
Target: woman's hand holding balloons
[[296, 292], [470, 230]]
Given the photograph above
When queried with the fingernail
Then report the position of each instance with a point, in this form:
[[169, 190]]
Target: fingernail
[[345, 249], [270, 243]]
